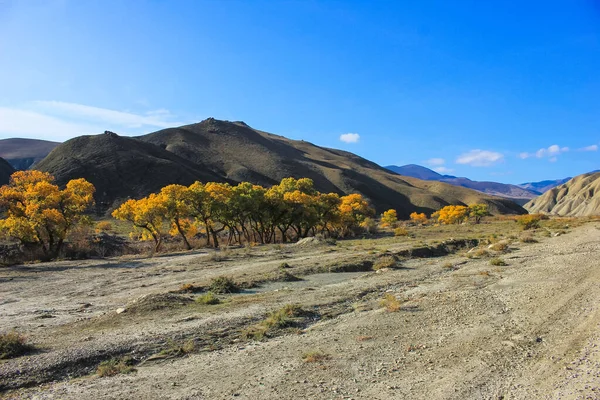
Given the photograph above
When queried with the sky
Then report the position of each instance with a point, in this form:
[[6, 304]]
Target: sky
[[503, 90]]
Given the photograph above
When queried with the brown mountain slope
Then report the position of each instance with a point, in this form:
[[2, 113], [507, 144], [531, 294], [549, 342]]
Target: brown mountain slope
[[238, 152], [120, 167], [23, 153], [578, 197], [6, 171]]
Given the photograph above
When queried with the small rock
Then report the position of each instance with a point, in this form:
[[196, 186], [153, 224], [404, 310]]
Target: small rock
[[121, 310]]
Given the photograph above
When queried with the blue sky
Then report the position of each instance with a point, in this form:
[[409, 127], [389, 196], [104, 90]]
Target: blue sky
[[492, 90]]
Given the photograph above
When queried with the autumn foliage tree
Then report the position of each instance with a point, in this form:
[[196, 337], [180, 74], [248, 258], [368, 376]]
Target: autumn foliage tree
[[418, 218], [453, 214], [147, 216], [389, 218], [37, 212], [458, 214]]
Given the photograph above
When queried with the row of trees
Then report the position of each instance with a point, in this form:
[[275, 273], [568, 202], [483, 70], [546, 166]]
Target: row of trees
[[37, 212], [291, 210], [447, 215]]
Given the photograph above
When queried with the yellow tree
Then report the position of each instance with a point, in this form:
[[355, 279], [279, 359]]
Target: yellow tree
[[38, 212], [177, 203], [453, 214], [147, 217], [420, 219], [389, 218], [353, 210]]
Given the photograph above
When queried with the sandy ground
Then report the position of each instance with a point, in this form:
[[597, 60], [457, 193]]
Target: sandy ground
[[528, 330]]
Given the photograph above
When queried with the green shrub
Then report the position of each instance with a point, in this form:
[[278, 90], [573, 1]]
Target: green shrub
[[208, 298], [224, 284]]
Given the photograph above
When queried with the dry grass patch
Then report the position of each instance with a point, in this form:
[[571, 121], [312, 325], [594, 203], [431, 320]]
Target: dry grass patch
[[13, 344], [400, 231], [189, 288], [116, 366], [314, 356], [478, 253], [498, 262], [499, 246], [286, 317], [385, 262], [528, 239], [390, 302]]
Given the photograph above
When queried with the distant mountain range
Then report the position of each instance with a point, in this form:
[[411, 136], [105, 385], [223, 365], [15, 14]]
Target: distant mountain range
[[223, 151], [543, 186], [579, 196], [515, 193], [23, 153]]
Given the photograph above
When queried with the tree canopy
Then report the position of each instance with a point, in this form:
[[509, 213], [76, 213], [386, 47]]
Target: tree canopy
[[37, 212]]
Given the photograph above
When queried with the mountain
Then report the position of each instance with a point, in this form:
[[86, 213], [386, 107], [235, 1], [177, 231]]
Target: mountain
[[214, 150], [416, 171], [513, 192], [120, 167], [23, 153], [578, 197], [6, 171], [543, 186]]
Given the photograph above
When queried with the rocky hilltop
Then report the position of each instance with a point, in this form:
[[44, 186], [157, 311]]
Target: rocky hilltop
[[578, 197]]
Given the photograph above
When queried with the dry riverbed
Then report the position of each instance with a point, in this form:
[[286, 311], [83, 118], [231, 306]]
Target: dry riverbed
[[465, 329]]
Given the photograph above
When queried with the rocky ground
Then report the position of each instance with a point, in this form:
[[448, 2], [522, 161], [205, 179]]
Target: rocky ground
[[465, 329]]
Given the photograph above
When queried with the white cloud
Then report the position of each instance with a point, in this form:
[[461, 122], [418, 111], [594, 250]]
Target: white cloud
[[55, 120], [480, 158], [443, 170], [593, 147], [551, 152], [22, 123], [553, 159], [435, 161], [158, 118], [350, 137]]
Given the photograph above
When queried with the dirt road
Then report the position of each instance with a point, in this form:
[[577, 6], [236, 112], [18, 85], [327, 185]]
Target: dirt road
[[528, 330]]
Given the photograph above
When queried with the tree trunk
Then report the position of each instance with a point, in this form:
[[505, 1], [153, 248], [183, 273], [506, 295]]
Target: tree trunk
[[187, 244]]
